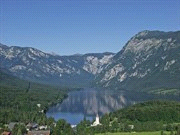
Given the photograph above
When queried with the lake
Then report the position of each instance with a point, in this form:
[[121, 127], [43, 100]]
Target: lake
[[89, 102]]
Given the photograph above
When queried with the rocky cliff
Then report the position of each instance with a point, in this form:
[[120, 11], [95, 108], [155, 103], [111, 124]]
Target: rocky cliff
[[32, 64], [150, 59]]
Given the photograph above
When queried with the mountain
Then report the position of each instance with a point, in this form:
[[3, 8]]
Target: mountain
[[149, 60], [32, 64]]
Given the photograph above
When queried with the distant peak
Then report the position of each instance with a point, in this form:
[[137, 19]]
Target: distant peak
[[4, 46], [77, 54], [54, 54], [143, 33], [148, 32], [108, 53], [155, 34]]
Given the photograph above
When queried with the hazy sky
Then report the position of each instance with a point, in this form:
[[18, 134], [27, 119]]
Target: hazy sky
[[69, 27]]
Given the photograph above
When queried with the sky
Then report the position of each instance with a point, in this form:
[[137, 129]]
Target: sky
[[68, 27]]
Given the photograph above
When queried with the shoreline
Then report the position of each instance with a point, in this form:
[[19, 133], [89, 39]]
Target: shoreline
[[59, 101], [55, 103]]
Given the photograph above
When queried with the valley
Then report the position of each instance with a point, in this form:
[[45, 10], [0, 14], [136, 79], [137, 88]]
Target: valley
[[33, 83], [24, 102], [148, 61], [88, 102]]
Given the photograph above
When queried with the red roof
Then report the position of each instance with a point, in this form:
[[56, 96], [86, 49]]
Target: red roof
[[39, 132], [6, 133]]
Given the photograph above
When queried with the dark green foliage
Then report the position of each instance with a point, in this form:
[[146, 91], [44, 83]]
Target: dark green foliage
[[19, 129], [167, 111], [177, 129], [83, 128], [105, 121], [115, 126], [147, 116], [148, 126], [50, 122], [169, 127], [19, 105], [63, 128]]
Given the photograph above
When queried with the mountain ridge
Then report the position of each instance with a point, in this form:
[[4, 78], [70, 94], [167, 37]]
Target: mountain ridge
[[33, 64], [146, 57], [149, 60]]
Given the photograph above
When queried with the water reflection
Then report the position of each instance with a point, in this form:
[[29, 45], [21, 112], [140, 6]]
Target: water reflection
[[88, 102]]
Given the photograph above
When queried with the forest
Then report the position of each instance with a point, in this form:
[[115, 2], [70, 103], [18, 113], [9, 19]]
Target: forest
[[159, 115], [24, 102], [19, 100]]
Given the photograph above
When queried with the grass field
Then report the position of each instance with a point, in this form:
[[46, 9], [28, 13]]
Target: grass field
[[165, 91], [136, 133]]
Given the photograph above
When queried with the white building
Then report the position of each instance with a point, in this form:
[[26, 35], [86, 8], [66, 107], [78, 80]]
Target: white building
[[39, 105], [96, 121]]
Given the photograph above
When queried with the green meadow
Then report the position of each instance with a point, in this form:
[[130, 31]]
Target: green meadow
[[136, 133]]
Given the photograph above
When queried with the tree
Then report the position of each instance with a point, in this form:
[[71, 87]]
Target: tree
[[19, 132], [62, 128], [115, 126], [15, 129], [50, 122], [169, 127], [178, 130], [23, 129], [81, 128], [105, 120]]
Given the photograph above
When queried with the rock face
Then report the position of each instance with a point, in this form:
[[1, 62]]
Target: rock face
[[32, 64], [150, 59]]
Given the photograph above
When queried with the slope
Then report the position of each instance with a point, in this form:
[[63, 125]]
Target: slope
[[19, 99], [149, 60]]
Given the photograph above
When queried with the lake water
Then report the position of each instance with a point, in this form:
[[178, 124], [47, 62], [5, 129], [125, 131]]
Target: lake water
[[88, 102]]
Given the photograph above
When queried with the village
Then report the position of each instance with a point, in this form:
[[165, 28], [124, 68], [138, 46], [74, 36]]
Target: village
[[33, 128]]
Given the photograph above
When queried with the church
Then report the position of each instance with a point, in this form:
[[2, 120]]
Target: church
[[96, 121]]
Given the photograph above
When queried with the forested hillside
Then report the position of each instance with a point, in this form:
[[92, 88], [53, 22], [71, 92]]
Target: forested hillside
[[159, 115], [166, 111], [19, 99]]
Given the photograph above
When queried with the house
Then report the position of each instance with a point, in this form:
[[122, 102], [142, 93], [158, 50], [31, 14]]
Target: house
[[43, 132], [42, 127], [39, 105], [131, 127], [31, 126], [6, 133], [12, 124]]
